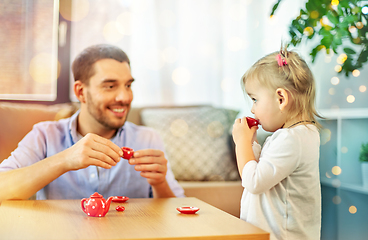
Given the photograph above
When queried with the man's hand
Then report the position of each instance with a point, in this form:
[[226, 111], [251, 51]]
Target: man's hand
[[91, 150], [153, 166]]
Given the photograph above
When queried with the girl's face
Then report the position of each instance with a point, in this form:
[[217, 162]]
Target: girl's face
[[266, 106]]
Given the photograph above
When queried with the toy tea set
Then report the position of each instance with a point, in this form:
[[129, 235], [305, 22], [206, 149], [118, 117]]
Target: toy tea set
[[97, 206]]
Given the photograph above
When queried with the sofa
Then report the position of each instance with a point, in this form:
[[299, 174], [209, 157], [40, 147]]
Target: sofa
[[197, 141]]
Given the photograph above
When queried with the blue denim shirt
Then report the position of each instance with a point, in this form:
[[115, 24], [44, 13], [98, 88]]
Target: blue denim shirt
[[51, 137]]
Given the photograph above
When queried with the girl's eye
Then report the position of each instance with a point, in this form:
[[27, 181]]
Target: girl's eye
[[254, 100]]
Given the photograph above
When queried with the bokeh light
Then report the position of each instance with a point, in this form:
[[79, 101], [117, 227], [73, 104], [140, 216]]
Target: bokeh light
[[335, 80], [80, 10], [362, 88], [328, 175], [336, 200], [356, 40], [336, 170], [338, 68], [344, 149], [353, 209], [41, 68], [215, 129], [350, 99], [335, 2], [332, 91], [179, 128], [325, 136], [308, 31], [356, 73], [181, 76], [314, 14], [111, 33], [359, 25], [342, 58], [123, 23]]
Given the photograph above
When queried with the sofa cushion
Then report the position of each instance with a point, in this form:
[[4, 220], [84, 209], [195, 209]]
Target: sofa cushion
[[197, 141]]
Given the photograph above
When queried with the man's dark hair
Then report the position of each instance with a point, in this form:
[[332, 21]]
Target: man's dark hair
[[82, 66]]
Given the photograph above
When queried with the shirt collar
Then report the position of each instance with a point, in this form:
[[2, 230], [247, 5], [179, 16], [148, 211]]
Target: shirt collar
[[73, 128]]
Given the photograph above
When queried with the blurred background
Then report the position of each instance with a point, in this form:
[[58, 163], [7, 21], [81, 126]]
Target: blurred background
[[191, 52]]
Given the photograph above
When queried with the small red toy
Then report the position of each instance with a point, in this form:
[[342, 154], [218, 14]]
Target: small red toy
[[120, 199], [127, 152], [252, 122], [187, 210], [120, 208]]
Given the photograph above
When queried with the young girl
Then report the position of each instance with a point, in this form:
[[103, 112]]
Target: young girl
[[281, 183]]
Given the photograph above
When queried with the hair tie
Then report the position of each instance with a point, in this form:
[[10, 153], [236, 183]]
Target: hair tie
[[280, 61]]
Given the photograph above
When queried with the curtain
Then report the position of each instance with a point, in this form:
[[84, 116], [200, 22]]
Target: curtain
[[185, 52]]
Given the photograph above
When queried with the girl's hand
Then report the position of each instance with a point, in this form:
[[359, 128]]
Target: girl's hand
[[242, 134]]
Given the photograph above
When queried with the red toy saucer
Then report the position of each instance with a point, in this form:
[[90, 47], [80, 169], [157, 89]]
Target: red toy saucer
[[120, 199], [187, 210]]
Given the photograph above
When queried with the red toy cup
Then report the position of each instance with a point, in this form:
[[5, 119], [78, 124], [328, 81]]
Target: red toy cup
[[127, 152], [252, 122]]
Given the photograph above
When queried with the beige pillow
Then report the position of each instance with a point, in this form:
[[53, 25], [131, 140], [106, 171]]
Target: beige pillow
[[197, 141]]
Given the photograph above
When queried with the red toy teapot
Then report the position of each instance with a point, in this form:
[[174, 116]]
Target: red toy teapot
[[96, 205]]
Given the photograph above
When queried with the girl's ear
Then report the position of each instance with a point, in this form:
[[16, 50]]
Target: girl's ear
[[282, 98], [78, 88]]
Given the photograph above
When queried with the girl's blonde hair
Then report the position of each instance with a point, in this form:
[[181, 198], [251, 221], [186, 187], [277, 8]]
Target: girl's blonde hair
[[287, 70]]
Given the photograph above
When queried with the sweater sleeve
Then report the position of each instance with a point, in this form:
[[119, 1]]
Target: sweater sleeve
[[278, 159]]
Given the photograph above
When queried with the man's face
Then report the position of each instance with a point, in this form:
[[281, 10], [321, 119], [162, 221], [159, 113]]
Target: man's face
[[109, 93]]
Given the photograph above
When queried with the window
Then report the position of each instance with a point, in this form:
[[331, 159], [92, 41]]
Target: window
[[29, 64]]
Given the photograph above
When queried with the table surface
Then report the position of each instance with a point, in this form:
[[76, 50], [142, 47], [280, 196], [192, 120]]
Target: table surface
[[142, 219]]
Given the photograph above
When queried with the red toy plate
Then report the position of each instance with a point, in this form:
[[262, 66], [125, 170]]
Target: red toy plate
[[120, 208], [187, 210], [120, 199]]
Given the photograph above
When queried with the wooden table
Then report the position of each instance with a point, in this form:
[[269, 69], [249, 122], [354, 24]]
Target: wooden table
[[142, 219]]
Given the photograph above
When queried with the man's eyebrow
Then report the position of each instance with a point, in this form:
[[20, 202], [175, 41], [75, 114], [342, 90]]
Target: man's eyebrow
[[114, 80]]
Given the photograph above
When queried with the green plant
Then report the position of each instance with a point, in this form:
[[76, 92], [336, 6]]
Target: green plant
[[363, 157], [341, 27]]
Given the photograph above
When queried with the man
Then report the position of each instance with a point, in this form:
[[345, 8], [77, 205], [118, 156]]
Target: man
[[75, 157]]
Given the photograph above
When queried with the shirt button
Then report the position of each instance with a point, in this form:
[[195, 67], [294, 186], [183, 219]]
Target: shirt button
[[93, 175]]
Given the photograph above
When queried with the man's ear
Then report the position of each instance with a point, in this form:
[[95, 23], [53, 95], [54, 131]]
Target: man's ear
[[79, 88], [282, 98]]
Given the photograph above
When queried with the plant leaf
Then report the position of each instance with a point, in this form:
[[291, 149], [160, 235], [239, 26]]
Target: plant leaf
[[275, 7], [349, 51]]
